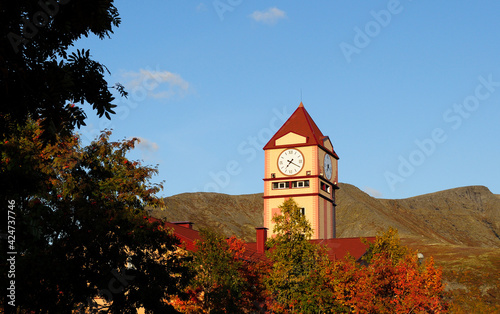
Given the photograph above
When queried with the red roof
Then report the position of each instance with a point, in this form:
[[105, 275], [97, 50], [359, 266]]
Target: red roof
[[337, 248], [186, 235], [300, 122]]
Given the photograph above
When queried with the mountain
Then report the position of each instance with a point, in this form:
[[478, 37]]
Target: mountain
[[231, 214], [466, 216]]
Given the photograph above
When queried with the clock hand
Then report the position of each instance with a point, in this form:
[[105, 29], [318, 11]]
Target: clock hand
[[291, 162]]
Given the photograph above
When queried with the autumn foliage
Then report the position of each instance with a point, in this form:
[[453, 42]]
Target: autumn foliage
[[383, 286], [82, 218], [299, 277], [224, 281], [296, 280], [388, 279], [81, 228]]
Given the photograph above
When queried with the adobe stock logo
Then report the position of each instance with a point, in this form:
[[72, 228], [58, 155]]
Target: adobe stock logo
[[455, 117], [223, 6], [363, 36]]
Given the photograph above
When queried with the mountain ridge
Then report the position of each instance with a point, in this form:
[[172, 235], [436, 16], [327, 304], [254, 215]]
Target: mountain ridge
[[467, 216]]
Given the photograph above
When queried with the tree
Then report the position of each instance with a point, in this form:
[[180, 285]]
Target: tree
[[38, 78], [252, 271], [297, 276], [388, 243], [224, 282], [81, 228], [393, 281]]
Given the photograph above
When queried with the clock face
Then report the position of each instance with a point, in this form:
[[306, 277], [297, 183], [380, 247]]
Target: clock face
[[290, 162], [327, 166]]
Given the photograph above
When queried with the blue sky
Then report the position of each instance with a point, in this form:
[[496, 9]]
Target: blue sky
[[408, 91]]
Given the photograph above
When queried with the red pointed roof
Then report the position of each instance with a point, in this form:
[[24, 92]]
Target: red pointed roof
[[300, 122]]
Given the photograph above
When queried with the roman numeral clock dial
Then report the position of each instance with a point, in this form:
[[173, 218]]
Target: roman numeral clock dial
[[290, 162]]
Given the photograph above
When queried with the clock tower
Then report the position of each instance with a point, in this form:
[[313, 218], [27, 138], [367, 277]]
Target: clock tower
[[300, 162]]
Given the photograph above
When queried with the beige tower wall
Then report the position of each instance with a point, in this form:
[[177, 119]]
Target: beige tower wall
[[318, 203], [318, 211]]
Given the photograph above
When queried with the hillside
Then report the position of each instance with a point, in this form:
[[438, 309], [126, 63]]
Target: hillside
[[462, 216], [467, 216], [232, 214]]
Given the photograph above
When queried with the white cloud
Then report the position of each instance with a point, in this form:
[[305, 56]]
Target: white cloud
[[372, 192], [146, 145], [155, 84], [270, 16]]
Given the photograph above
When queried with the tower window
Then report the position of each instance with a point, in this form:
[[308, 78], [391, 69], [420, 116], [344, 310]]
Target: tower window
[[303, 211], [281, 185], [300, 184], [325, 187]]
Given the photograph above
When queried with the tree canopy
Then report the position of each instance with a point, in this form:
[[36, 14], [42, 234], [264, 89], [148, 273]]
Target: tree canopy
[[298, 266], [224, 281], [81, 228], [82, 221], [39, 79], [390, 279]]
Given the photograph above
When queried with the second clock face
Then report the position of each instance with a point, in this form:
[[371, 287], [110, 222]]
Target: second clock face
[[290, 162], [327, 166]]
